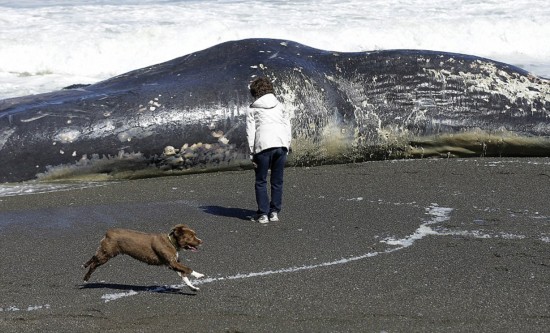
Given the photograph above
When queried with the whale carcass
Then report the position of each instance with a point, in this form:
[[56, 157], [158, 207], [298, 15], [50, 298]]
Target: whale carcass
[[344, 106]]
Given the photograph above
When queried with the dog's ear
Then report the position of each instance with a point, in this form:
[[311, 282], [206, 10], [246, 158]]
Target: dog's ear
[[178, 230]]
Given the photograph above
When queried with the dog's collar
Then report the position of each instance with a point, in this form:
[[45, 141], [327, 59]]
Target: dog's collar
[[173, 241]]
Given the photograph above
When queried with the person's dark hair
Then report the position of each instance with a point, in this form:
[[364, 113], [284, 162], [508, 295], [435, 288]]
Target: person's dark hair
[[260, 87]]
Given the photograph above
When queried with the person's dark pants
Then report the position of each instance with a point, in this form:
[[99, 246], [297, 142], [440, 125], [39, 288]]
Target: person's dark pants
[[274, 159]]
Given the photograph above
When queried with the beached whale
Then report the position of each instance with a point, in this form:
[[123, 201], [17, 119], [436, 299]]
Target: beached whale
[[345, 107]]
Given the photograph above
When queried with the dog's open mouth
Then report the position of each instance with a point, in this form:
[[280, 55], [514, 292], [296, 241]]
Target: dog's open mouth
[[191, 247]]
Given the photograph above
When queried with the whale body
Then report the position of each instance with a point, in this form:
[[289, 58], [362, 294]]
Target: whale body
[[344, 106]]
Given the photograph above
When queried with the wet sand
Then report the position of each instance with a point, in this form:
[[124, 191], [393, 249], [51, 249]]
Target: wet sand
[[442, 245]]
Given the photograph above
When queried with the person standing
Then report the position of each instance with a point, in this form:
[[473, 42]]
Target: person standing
[[269, 133]]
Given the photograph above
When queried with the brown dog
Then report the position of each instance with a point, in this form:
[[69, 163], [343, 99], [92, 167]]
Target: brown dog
[[153, 249]]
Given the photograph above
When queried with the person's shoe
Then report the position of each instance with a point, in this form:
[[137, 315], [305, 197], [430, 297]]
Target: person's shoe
[[261, 219], [273, 217]]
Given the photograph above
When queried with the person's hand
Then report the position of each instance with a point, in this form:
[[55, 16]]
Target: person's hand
[[254, 165]]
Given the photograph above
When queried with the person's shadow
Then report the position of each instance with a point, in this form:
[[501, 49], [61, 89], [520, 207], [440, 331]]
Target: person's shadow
[[127, 287], [237, 213]]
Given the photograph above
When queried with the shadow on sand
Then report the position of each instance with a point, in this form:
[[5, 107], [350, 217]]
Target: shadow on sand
[[126, 287], [238, 213]]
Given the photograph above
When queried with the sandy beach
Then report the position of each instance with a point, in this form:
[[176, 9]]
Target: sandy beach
[[432, 245]]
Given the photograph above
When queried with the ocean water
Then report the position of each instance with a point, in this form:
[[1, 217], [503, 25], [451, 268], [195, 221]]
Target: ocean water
[[49, 44]]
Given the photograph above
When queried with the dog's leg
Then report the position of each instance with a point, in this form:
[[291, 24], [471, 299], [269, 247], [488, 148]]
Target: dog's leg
[[97, 260], [89, 262], [184, 271], [93, 263], [197, 274], [107, 249], [188, 283]]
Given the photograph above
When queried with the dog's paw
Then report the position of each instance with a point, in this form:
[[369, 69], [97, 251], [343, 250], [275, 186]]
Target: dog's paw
[[197, 275], [189, 284]]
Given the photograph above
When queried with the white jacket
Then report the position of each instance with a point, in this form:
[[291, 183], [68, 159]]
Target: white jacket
[[267, 125]]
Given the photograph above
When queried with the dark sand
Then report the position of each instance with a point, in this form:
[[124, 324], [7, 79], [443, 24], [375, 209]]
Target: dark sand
[[485, 268]]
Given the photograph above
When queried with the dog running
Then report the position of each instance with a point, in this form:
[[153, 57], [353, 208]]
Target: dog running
[[153, 249]]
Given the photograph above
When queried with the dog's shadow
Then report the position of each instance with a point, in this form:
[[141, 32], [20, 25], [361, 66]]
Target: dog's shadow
[[150, 289], [238, 213]]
